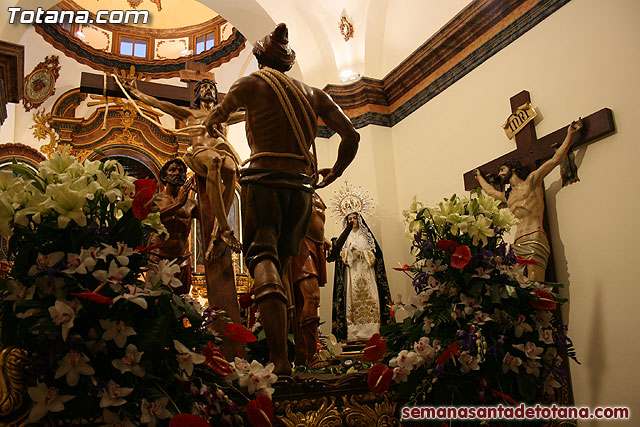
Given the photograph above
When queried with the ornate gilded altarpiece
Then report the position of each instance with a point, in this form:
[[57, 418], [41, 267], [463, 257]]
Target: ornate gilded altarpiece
[[125, 134]]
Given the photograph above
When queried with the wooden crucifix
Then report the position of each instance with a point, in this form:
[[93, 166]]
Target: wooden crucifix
[[219, 270], [532, 153]]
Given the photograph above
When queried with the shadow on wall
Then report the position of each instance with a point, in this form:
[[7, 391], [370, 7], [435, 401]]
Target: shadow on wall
[[595, 360], [557, 246]]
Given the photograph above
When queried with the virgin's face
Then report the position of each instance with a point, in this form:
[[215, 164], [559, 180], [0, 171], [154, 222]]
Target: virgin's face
[[353, 219]]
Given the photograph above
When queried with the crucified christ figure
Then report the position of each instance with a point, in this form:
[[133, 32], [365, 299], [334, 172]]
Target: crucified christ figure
[[525, 199], [212, 158]]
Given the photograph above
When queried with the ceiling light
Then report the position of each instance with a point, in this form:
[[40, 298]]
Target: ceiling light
[[348, 76]]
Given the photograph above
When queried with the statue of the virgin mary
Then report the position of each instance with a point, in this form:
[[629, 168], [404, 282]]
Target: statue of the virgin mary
[[361, 299]]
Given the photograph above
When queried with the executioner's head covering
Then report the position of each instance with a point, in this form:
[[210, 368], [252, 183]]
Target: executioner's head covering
[[273, 50]]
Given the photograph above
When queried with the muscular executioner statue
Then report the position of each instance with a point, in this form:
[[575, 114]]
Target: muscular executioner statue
[[309, 273], [210, 157], [276, 195], [177, 210], [525, 199]]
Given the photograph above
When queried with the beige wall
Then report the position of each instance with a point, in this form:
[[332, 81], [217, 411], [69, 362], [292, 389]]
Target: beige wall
[[579, 60]]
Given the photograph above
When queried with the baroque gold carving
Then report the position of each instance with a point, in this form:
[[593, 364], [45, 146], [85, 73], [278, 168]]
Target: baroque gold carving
[[14, 363], [346, 28], [41, 130], [326, 415], [199, 287], [356, 410], [380, 415]]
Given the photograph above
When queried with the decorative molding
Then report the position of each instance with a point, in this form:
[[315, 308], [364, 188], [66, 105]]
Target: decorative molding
[[168, 42], [40, 83], [95, 29], [321, 400], [42, 130], [477, 33], [162, 33], [12, 70], [346, 28], [21, 152], [125, 133], [107, 61]]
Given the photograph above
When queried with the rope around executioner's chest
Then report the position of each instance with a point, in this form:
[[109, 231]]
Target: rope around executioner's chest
[[277, 81]]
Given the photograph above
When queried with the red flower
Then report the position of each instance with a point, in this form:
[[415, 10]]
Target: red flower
[[545, 300], [461, 257], [92, 296], [260, 412], [505, 397], [524, 261], [143, 199], [451, 351], [403, 268], [447, 246], [215, 360], [246, 300], [239, 333], [374, 349], [144, 249], [379, 378], [188, 420]]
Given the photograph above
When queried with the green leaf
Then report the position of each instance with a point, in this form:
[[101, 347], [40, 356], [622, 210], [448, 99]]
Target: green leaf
[[153, 335], [25, 171], [495, 294], [192, 314], [477, 286], [527, 386]]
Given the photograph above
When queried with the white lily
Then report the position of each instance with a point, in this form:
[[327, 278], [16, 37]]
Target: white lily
[[19, 292], [129, 363], [530, 349], [46, 399], [68, 203], [468, 362], [480, 230], [114, 276], [113, 395], [164, 273], [63, 314], [187, 358], [122, 252], [45, 262], [510, 363], [72, 365], [259, 378], [84, 262], [151, 412], [6, 216], [117, 331], [405, 359]]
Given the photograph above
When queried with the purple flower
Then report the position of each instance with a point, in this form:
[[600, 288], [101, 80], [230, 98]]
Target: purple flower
[[497, 350], [468, 338], [481, 258]]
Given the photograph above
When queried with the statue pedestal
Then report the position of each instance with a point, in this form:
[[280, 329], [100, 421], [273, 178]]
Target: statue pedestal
[[325, 399]]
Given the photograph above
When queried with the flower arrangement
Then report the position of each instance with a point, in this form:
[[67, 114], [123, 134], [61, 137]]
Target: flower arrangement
[[476, 331], [107, 336]]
